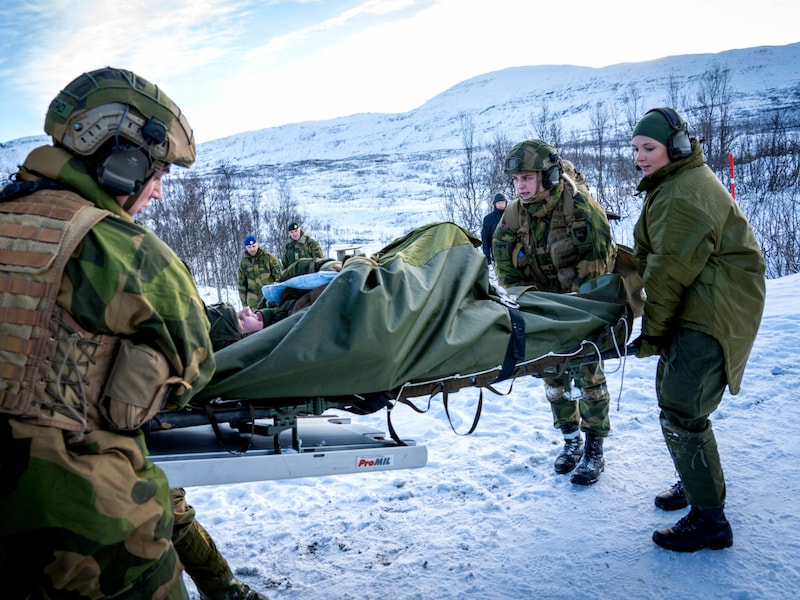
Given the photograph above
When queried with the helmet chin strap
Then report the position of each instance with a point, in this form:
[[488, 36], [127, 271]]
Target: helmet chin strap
[[128, 205], [131, 201]]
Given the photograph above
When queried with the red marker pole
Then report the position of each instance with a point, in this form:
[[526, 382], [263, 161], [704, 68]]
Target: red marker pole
[[733, 179]]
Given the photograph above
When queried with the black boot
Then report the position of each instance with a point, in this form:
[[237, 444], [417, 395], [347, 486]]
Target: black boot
[[588, 472], [572, 451], [672, 499], [699, 529]]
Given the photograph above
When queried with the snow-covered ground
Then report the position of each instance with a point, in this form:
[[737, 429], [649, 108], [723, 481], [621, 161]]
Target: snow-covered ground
[[488, 518]]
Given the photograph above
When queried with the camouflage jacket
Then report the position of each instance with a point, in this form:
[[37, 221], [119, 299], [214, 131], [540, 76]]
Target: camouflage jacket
[[124, 281], [556, 246], [254, 272], [701, 264], [304, 247]]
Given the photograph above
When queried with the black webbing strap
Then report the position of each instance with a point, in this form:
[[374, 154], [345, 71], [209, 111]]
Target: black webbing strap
[[440, 388], [474, 421], [212, 418], [17, 189], [515, 352], [392, 432]]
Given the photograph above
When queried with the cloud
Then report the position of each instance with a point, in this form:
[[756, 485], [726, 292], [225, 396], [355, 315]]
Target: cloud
[[234, 65]]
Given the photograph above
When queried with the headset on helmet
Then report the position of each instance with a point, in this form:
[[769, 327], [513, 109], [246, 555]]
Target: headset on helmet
[[125, 126], [678, 145], [535, 155]]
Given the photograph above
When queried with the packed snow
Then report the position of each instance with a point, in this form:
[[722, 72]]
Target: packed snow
[[487, 517]]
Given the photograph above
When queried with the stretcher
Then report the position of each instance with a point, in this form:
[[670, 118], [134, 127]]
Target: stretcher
[[418, 322]]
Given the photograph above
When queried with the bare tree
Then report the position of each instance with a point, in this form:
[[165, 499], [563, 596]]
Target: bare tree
[[599, 125], [676, 96], [714, 99], [464, 188], [497, 150], [279, 211], [547, 126], [632, 105]]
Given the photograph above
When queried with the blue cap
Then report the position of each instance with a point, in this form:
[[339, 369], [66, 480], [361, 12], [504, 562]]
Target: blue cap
[[249, 240]]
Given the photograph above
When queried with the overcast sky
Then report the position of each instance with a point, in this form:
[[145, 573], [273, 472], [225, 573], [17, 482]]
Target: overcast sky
[[242, 65]]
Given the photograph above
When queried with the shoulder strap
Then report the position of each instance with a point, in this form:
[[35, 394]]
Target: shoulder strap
[[17, 189]]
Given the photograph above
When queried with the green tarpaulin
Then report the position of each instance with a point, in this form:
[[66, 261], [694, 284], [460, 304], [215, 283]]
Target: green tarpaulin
[[427, 311]]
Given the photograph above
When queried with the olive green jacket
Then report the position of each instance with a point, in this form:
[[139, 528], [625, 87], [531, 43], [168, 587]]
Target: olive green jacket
[[304, 247], [701, 264]]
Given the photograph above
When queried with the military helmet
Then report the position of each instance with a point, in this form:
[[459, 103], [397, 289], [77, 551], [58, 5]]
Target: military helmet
[[114, 104], [531, 155]]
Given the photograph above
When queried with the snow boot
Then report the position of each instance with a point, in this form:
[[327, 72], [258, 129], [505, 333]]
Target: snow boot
[[672, 499], [589, 469], [572, 451], [701, 528]]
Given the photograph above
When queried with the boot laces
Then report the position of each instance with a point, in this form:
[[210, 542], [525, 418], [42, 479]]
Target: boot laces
[[693, 520]]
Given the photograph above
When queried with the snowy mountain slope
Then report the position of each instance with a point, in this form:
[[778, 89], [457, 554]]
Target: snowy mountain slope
[[502, 99], [373, 177]]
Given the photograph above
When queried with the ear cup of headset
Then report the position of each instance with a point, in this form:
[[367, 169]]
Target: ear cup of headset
[[124, 170], [678, 145], [551, 177]]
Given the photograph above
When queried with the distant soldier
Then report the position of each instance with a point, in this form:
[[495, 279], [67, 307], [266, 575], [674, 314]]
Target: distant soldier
[[300, 246], [490, 222], [256, 269]]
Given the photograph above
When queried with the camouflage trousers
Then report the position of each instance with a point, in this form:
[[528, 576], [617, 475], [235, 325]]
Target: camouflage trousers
[[590, 410], [199, 554], [87, 520]]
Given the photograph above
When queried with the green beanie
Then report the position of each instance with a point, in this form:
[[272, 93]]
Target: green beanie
[[653, 125]]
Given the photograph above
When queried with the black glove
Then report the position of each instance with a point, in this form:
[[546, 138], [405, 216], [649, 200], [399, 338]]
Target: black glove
[[647, 345]]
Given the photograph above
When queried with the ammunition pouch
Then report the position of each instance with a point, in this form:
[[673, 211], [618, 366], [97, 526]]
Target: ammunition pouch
[[563, 253], [137, 387]]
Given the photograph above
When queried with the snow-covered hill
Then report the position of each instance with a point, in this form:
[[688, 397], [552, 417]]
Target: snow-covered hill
[[370, 173]]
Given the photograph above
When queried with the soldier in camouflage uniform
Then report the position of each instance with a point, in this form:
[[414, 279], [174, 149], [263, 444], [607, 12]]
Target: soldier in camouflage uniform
[[102, 324], [704, 275], [256, 269], [300, 246], [554, 237]]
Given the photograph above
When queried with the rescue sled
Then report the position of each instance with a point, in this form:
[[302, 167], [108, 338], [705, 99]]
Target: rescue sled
[[419, 321]]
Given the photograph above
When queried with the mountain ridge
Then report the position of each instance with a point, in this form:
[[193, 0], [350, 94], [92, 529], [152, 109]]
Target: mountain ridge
[[370, 177], [499, 99]]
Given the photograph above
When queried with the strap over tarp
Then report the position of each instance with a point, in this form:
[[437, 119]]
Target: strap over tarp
[[427, 311]]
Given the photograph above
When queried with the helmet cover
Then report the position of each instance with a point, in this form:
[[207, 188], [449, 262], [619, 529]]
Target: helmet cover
[[111, 103], [531, 155]]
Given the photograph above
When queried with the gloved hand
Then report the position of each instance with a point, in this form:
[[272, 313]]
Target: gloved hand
[[647, 345]]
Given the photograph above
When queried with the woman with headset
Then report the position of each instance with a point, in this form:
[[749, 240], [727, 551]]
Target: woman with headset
[[703, 272]]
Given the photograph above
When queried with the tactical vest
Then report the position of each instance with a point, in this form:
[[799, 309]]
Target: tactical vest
[[52, 370], [547, 260]]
